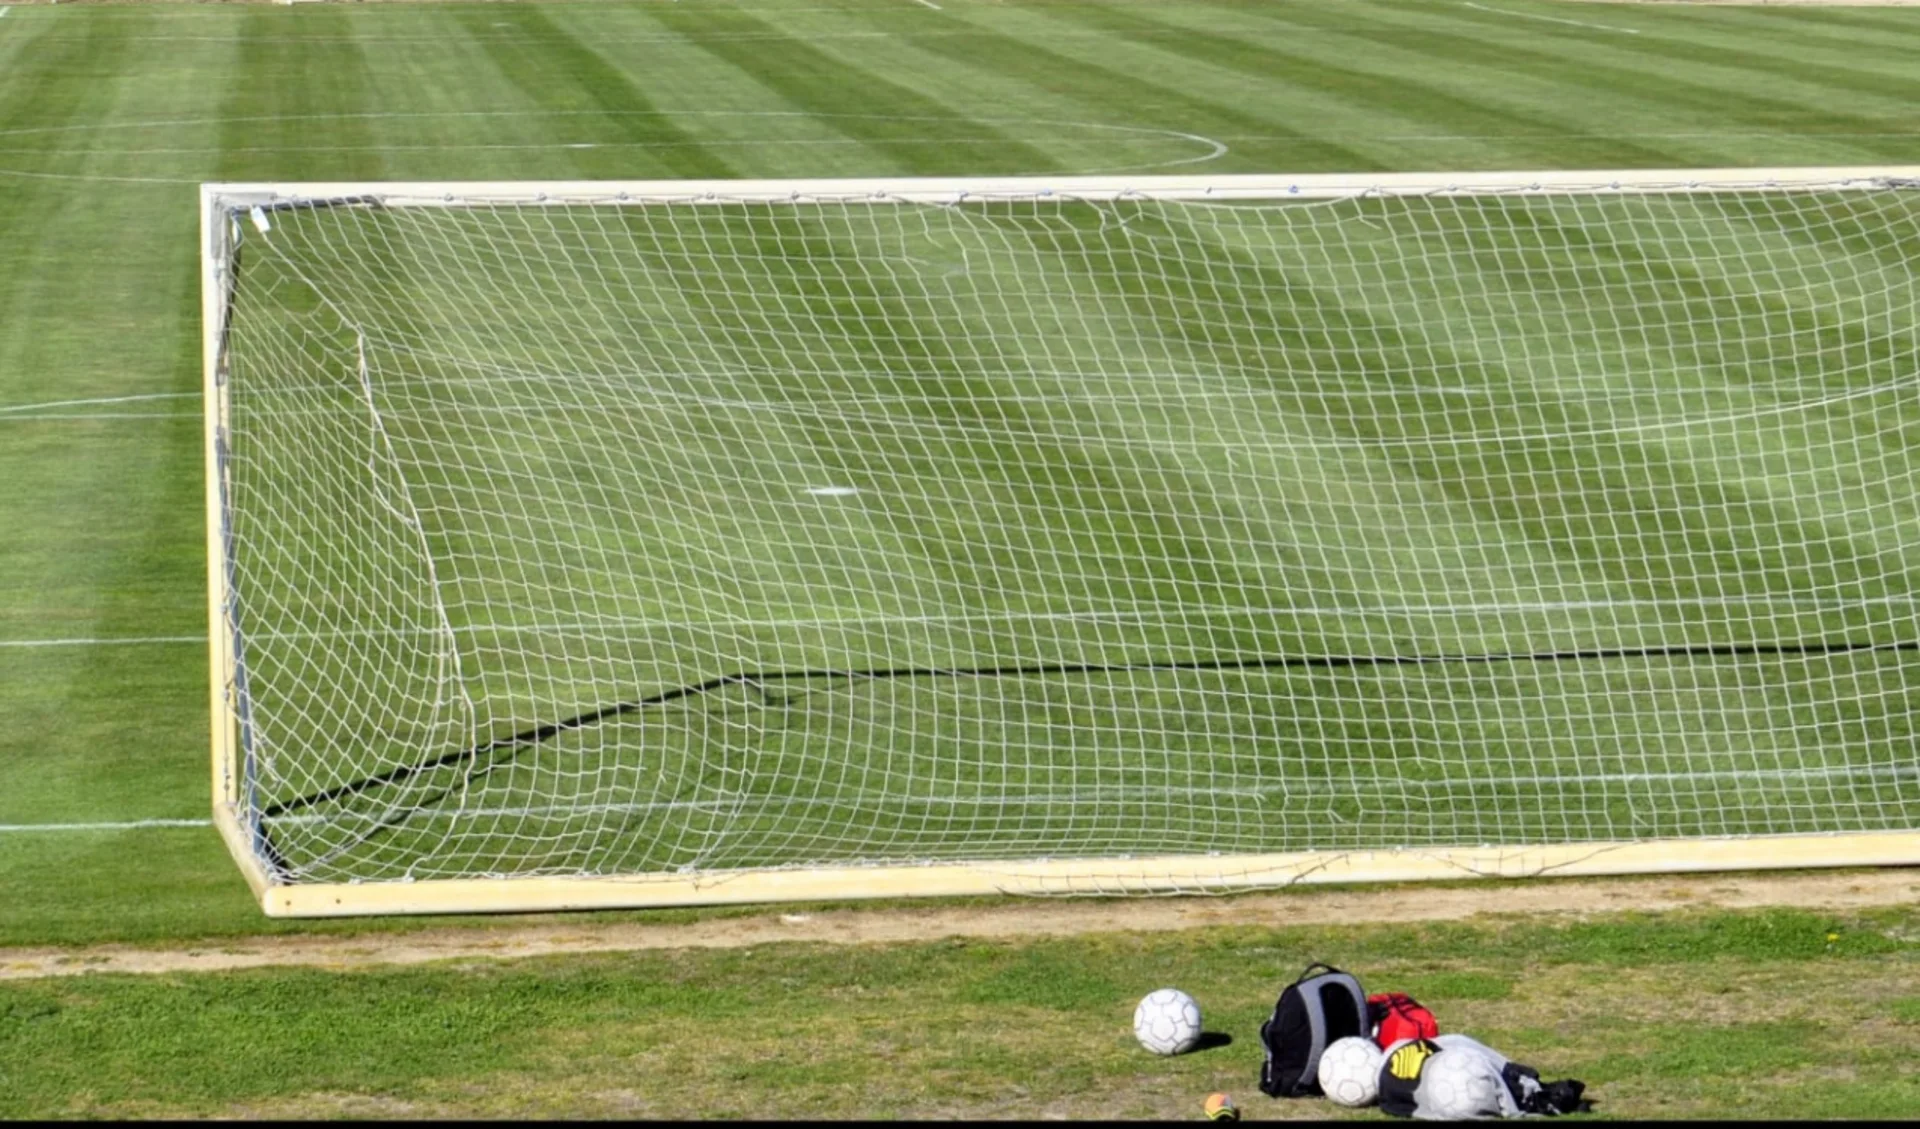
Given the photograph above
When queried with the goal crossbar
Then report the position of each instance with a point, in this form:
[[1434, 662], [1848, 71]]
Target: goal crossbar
[[938, 190]]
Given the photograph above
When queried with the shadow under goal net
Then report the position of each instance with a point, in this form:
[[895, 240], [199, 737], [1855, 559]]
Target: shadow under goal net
[[622, 536]]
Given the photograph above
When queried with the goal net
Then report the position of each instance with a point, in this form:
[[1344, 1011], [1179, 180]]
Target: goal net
[[594, 544]]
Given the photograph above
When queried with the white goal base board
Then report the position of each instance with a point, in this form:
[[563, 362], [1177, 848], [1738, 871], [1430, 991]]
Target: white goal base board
[[1084, 877]]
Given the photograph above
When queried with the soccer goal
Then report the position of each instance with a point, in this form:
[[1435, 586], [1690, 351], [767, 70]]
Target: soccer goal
[[621, 544]]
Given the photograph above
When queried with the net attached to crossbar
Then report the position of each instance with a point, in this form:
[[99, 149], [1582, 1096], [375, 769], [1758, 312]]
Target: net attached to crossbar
[[690, 536]]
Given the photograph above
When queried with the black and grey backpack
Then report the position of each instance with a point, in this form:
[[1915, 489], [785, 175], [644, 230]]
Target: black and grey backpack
[[1312, 1012]]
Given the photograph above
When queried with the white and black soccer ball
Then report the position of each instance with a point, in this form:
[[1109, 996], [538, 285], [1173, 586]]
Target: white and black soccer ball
[[1167, 1022], [1461, 1085], [1350, 1071]]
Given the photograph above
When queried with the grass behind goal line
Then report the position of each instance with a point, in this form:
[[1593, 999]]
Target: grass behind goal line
[[1262, 471], [98, 280]]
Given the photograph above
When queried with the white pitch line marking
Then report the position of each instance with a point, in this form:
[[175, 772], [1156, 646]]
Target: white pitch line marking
[[131, 825], [928, 4], [1551, 19], [1136, 615], [97, 415], [22, 643], [832, 491], [4, 11], [8, 409]]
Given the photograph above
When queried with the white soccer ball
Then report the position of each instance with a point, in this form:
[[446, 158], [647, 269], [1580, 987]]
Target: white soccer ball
[[1167, 1022], [1350, 1071], [1460, 1085]]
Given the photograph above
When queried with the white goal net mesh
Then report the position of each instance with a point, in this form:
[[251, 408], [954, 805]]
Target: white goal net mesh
[[622, 538]]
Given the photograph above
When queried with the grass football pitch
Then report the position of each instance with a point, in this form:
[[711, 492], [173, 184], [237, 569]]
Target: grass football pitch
[[111, 115], [115, 113]]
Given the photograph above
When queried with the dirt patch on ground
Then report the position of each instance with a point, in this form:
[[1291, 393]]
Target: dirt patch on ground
[[1037, 918]]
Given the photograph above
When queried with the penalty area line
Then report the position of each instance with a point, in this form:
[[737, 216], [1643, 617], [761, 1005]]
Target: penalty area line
[[44, 405], [109, 642], [128, 825]]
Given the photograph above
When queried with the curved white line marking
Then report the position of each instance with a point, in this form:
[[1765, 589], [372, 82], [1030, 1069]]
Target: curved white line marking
[[1215, 147], [1549, 19]]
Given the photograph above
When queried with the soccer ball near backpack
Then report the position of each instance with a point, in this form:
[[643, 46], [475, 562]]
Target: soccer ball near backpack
[[1350, 1071], [1167, 1022], [1460, 1084]]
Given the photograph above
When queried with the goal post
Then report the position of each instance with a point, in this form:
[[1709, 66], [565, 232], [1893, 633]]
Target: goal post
[[604, 544]]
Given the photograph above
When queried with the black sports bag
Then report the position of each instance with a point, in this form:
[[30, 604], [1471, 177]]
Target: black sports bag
[[1311, 1012]]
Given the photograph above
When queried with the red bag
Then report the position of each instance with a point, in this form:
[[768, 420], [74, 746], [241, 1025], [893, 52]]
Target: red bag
[[1396, 1016]]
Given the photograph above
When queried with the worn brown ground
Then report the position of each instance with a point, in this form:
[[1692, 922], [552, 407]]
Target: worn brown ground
[[1836, 890]]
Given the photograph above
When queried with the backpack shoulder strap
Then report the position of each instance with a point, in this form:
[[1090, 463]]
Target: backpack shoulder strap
[[1316, 1023], [1314, 1003]]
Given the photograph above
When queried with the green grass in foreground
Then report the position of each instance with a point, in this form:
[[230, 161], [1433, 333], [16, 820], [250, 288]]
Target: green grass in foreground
[[1762, 1014]]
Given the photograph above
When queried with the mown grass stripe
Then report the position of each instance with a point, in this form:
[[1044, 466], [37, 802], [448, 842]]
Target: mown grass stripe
[[1739, 61], [67, 335], [1880, 55], [1718, 493], [1890, 29], [1497, 94], [556, 69], [285, 95], [109, 531], [895, 119], [1404, 88], [16, 40], [1763, 80], [1436, 486], [1743, 307], [1154, 92]]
